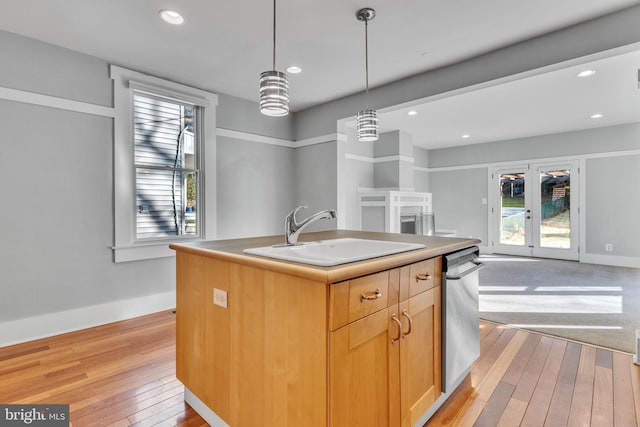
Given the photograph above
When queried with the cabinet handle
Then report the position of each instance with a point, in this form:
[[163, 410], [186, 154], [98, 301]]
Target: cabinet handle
[[405, 313], [371, 296], [423, 276], [399, 323]]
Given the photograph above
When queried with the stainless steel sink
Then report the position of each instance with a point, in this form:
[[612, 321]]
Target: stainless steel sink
[[326, 253]]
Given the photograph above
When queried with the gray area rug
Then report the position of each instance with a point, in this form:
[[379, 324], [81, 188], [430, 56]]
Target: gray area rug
[[589, 303]]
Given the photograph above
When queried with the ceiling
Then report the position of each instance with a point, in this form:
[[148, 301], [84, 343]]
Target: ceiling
[[545, 103], [224, 45]]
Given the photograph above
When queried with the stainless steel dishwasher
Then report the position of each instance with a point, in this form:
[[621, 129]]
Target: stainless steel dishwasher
[[460, 315]]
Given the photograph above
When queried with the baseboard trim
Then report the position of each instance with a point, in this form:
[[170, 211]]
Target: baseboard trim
[[47, 325], [485, 250], [203, 410], [617, 261], [612, 260]]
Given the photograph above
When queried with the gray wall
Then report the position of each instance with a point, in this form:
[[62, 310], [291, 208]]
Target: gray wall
[[354, 174], [56, 244], [57, 216], [421, 177], [609, 204], [242, 115], [51, 70], [57, 169], [589, 141], [457, 201], [357, 174], [316, 182], [255, 187], [394, 174], [612, 205]]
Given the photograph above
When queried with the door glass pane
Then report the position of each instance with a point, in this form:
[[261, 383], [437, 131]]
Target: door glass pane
[[512, 218], [555, 209]]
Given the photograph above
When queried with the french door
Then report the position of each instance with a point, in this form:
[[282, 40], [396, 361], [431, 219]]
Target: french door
[[535, 210]]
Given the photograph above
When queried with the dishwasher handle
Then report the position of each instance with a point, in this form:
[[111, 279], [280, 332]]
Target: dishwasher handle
[[478, 265]]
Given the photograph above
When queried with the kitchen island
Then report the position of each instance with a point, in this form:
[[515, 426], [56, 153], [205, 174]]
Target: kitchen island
[[267, 342]]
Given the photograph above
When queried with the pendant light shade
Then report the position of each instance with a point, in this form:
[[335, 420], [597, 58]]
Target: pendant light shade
[[274, 85], [367, 125], [274, 93], [367, 119]]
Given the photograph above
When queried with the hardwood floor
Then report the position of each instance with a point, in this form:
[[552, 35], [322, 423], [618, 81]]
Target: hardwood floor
[[123, 374], [119, 374], [527, 379]]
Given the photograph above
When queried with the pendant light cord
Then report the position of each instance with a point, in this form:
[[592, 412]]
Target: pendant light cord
[[366, 62], [274, 35]]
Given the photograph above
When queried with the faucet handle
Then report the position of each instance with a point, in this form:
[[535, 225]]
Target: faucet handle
[[292, 215]]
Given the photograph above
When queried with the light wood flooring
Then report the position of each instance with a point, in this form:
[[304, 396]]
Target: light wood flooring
[[528, 379], [123, 374]]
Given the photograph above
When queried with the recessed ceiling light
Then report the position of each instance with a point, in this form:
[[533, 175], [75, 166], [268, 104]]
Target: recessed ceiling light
[[171, 17], [294, 69], [596, 116], [466, 135], [586, 73], [412, 113]]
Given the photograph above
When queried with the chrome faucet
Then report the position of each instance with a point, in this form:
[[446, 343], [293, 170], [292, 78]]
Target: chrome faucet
[[293, 228]]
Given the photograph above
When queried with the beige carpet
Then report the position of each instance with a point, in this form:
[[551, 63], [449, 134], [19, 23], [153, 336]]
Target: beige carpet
[[584, 302]]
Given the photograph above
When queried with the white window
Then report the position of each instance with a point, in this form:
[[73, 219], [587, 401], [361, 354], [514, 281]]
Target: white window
[[167, 154], [164, 141]]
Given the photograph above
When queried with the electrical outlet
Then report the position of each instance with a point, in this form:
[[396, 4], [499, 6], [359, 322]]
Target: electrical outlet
[[220, 297], [608, 247]]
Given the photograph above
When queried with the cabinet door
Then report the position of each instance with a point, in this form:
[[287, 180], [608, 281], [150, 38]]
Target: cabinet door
[[420, 352], [363, 372]]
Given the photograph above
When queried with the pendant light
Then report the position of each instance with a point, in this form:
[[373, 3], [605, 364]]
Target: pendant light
[[367, 119], [274, 85]]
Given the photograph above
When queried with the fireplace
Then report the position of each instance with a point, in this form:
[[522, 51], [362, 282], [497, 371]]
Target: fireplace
[[396, 212]]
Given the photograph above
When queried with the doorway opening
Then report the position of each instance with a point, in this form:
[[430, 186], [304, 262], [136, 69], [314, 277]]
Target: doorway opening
[[535, 210]]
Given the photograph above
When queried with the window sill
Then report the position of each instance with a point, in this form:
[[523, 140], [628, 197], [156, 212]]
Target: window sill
[[142, 251]]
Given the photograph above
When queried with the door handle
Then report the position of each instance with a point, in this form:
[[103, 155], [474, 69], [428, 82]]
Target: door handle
[[405, 313], [423, 276], [399, 323], [370, 296], [478, 265]]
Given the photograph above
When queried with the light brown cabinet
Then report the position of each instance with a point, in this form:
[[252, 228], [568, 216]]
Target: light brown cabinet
[[262, 359], [420, 363], [289, 351], [385, 368]]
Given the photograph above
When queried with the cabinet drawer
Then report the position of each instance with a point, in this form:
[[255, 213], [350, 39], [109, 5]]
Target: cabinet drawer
[[357, 298], [424, 275]]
